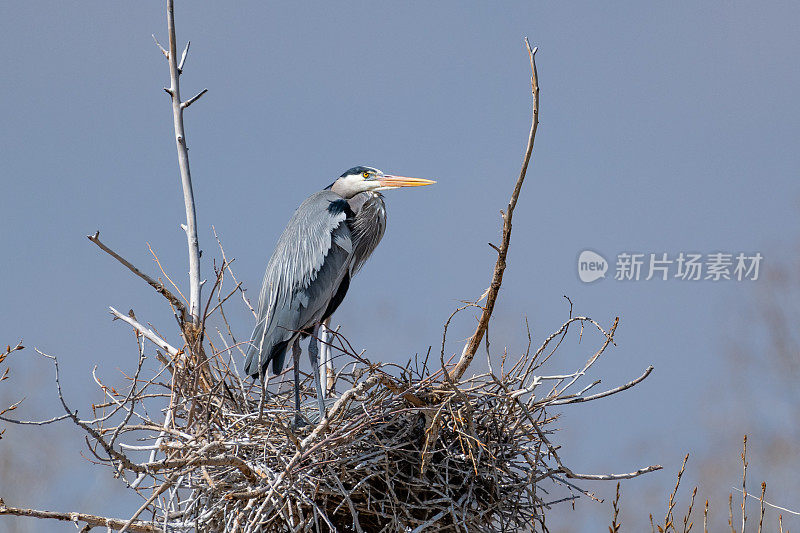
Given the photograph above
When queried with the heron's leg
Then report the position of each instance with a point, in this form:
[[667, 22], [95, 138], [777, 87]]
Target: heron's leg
[[264, 383], [313, 356], [298, 419], [326, 369]]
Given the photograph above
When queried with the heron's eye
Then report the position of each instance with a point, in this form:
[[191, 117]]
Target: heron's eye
[[365, 174]]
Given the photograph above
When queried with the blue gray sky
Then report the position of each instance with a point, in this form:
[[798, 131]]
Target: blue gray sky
[[664, 128]]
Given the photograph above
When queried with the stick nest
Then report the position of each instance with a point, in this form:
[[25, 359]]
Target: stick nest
[[401, 448], [412, 449]]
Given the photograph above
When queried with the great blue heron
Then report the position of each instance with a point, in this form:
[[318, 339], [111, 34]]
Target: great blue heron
[[327, 240]]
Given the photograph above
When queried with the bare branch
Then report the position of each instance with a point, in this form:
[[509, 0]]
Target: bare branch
[[158, 286], [112, 453], [147, 333], [768, 504], [186, 177], [605, 393], [89, 519], [127, 526], [613, 477], [497, 277], [166, 54], [33, 422], [193, 99], [183, 57]]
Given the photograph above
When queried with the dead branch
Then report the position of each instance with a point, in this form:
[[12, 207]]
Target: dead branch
[[497, 277], [157, 285], [183, 162], [89, 519], [146, 333]]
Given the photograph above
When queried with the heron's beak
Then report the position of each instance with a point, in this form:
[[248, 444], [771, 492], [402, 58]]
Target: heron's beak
[[401, 181]]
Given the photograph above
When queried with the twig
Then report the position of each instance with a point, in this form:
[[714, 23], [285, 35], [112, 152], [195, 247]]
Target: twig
[[605, 393], [193, 99], [183, 57], [497, 277], [127, 525], [90, 519], [166, 54], [147, 333], [744, 481], [668, 520], [768, 504], [158, 286], [615, 526]]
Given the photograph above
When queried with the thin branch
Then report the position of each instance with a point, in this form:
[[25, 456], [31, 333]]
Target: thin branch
[[166, 54], [127, 526], [158, 286], [605, 393], [193, 99], [33, 422], [164, 273], [183, 57], [497, 277], [147, 333], [112, 453], [612, 477], [768, 504], [90, 519], [183, 163]]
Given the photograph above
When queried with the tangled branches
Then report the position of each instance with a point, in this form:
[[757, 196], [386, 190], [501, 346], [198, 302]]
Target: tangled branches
[[402, 449]]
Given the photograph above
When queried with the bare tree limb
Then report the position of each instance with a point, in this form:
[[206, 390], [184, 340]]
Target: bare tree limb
[[497, 277], [605, 393], [90, 519], [147, 333], [183, 162], [33, 422], [158, 286]]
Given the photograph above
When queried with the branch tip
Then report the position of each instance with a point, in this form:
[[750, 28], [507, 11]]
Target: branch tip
[[166, 54], [193, 99], [183, 57]]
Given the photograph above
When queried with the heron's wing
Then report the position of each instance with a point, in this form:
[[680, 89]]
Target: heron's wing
[[366, 226], [308, 263]]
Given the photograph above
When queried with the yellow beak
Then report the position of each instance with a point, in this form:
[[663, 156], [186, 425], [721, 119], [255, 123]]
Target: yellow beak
[[402, 181]]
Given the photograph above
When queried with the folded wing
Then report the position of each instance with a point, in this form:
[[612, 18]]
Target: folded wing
[[306, 269]]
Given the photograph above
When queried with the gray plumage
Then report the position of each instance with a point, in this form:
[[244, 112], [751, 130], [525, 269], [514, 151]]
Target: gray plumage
[[326, 242], [367, 226], [310, 262]]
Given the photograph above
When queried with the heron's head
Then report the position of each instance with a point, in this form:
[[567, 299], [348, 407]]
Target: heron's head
[[362, 179]]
